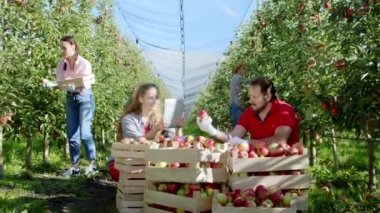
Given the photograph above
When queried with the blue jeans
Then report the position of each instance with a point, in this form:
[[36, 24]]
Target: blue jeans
[[235, 111], [80, 110]]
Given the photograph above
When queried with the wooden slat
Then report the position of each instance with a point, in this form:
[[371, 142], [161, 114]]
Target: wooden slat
[[130, 210], [131, 189], [128, 175], [184, 155], [279, 181], [129, 147], [129, 169], [187, 175], [130, 197], [297, 162], [148, 209], [177, 201], [126, 182], [127, 154], [131, 161], [231, 209]]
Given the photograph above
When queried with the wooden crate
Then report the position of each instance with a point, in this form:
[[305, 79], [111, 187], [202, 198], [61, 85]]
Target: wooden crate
[[192, 204], [216, 207], [134, 151], [192, 174], [129, 206], [271, 164], [77, 82]]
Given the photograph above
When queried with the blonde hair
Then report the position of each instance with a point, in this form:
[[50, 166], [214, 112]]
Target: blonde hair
[[135, 106]]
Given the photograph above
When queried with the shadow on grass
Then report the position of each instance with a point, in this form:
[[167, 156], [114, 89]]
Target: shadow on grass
[[55, 194]]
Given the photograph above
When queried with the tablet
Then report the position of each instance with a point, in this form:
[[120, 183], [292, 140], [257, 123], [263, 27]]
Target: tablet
[[173, 110]]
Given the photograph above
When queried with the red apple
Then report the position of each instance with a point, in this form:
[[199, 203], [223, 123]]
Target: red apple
[[175, 165], [261, 192], [200, 139], [202, 114], [210, 143], [249, 193], [299, 147], [194, 187], [348, 11], [276, 197], [259, 144], [327, 5], [172, 188], [215, 165], [252, 154], [263, 151], [340, 64], [239, 202], [293, 151]]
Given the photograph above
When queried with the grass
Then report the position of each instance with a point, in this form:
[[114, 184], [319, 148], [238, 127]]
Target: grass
[[47, 191]]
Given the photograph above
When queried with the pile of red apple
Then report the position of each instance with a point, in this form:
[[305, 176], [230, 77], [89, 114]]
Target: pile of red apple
[[206, 190], [257, 197], [261, 149]]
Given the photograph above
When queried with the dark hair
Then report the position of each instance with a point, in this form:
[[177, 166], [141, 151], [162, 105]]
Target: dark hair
[[72, 41], [265, 85], [238, 67]]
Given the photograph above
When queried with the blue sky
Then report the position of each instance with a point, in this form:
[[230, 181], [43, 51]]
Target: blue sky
[[210, 26]]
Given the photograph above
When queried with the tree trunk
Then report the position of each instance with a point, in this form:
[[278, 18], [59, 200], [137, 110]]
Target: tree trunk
[[371, 162], [67, 149], [1, 154], [335, 153], [313, 150], [103, 137], [28, 155], [46, 148]]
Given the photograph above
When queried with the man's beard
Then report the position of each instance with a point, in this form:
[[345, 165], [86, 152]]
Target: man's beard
[[258, 110]]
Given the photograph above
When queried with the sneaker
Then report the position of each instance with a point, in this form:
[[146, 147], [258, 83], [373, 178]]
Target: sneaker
[[72, 172], [91, 170]]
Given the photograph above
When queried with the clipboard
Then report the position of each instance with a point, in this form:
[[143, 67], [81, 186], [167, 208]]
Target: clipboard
[[173, 110], [77, 82]]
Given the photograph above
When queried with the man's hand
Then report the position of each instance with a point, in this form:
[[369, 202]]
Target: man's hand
[[236, 140], [205, 124]]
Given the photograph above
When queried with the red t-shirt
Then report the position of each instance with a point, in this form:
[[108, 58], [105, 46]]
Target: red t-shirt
[[280, 114]]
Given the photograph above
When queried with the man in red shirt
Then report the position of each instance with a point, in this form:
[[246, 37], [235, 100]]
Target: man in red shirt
[[268, 119]]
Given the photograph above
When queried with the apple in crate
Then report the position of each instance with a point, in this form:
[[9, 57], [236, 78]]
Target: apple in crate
[[252, 154], [249, 193], [222, 199], [172, 188], [195, 187], [261, 192], [276, 197], [200, 139], [293, 151], [299, 147], [240, 202], [287, 199], [161, 164], [243, 147], [243, 154], [215, 165], [209, 143], [162, 187], [267, 204], [263, 151], [181, 192], [175, 165]]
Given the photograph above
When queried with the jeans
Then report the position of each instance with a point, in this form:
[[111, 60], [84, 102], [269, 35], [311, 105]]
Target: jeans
[[235, 111], [80, 110]]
